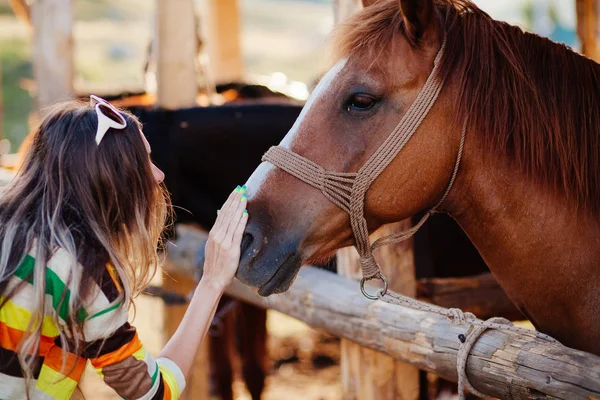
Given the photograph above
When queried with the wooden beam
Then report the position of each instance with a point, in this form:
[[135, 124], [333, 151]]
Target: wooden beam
[[366, 373], [502, 364], [588, 27], [221, 26], [480, 295], [52, 23], [176, 52]]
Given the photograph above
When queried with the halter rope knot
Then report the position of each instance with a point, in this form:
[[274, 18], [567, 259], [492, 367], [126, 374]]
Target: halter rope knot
[[369, 267]]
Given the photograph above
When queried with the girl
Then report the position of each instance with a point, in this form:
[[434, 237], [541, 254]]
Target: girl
[[79, 232]]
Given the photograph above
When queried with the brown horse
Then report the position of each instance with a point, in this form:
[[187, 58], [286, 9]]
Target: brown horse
[[527, 192]]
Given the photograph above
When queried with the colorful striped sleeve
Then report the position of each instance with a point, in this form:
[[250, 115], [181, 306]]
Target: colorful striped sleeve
[[116, 352], [127, 366]]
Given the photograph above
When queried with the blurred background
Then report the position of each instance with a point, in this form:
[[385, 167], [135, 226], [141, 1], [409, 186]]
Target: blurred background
[[283, 46], [286, 36]]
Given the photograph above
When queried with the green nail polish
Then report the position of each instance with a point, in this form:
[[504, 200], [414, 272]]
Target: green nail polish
[[218, 211], [244, 188], [244, 197], [238, 189], [245, 212]]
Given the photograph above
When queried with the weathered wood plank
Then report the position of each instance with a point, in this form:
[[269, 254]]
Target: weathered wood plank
[[221, 27], [480, 295], [52, 22], [502, 364], [588, 27], [176, 51]]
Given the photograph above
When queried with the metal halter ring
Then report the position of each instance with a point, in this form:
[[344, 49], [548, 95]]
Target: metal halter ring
[[383, 291]]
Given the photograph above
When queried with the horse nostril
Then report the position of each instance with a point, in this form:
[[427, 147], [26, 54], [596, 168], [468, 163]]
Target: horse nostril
[[247, 240]]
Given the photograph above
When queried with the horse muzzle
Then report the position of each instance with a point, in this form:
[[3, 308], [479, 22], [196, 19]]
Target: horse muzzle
[[269, 261]]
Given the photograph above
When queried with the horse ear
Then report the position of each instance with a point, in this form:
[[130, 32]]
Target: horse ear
[[417, 15], [367, 3]]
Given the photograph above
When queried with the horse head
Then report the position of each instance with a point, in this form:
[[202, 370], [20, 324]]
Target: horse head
[[356, 105]]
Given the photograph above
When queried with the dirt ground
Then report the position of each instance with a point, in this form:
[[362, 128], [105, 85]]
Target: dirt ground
[[304, 363]]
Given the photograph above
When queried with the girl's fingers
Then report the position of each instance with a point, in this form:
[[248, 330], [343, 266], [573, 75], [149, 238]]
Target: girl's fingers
[[236, 216], [239, 229], [220, 214], [231, 213], [226, 236], [231, 203], [224, 214]]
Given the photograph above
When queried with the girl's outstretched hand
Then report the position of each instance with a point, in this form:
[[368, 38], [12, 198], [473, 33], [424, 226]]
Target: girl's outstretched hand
[[221, 259], [222, 254]]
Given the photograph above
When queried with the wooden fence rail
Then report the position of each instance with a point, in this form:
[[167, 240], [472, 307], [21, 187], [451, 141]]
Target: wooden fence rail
[[502, 364]]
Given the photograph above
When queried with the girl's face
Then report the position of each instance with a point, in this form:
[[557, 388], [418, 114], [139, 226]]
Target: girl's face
[[159, 176]]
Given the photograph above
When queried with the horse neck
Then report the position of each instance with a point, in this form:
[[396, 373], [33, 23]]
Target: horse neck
[[542, 252]]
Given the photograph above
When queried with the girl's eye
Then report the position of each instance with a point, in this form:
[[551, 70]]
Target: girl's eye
[[361, 102]]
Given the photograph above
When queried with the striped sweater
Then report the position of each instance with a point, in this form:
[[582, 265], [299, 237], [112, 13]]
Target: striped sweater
[[112, 345]]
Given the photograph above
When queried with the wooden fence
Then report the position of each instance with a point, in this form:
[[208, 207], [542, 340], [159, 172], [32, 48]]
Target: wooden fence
[[502, 364]]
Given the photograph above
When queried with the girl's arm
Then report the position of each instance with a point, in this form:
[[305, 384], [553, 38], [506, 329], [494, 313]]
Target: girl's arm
[[221, 262]]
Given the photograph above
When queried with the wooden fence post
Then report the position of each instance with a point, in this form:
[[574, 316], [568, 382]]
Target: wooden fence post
[[221, 27], [176, 52], [368, 374], [52, 23], [588, 27]]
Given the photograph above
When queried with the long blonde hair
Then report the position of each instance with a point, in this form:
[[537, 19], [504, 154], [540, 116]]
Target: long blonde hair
[[100, 203]]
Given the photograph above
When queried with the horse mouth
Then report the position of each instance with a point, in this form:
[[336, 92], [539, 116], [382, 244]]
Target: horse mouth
[[283, 277]]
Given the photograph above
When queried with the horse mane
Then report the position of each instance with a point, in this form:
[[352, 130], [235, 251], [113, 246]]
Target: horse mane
[[533, 101]]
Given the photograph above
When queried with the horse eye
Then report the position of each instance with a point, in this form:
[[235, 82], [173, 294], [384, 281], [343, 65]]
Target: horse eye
[[361, 102]]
